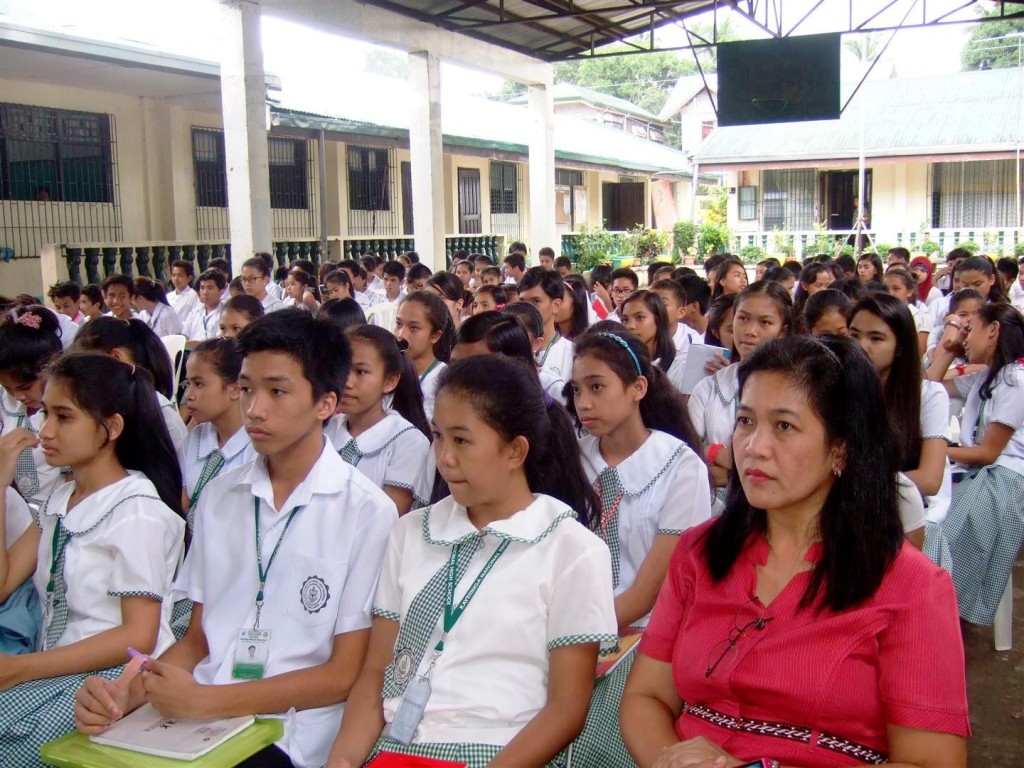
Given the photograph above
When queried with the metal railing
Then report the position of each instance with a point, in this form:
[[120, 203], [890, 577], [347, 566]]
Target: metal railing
[[94, 262], [990, 240]]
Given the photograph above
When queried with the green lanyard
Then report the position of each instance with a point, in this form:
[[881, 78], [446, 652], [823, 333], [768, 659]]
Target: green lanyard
[[263, 574], [452, 612], [547, 349], [57, 548], [431, 367], [979, 425]]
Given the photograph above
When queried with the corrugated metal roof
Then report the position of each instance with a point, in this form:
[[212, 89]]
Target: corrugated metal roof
[[552, 30], [373, 102], [968, 112], [563, 92]]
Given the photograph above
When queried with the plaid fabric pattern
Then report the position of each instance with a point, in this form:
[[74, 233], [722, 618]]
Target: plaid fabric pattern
[[181, 615], [472, 755], [600, 743], [350, 452], [211, 468], [985, 528], [39, 711], [609, 490], [424, 612], [936, 547], [58, 604], [26, 479]]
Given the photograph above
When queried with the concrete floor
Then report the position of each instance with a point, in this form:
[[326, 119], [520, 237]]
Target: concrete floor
[[995, 688]]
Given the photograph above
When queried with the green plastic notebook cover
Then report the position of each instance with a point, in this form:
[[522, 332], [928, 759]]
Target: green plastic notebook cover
[[76, 751]]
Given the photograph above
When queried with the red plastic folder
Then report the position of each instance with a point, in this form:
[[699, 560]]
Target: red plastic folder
[[393, 760]]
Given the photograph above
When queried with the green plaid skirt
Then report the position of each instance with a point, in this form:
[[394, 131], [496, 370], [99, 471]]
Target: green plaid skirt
[[33, 713], [600, 744], [985, 528]]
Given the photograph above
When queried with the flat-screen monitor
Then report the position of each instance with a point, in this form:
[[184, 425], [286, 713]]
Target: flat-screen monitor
[[779, 80]]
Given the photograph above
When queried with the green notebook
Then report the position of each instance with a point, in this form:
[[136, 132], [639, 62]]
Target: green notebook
[[76, 751]]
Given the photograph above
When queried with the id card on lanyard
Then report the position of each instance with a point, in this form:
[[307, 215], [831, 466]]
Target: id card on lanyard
[[417, 692], [252, 648]]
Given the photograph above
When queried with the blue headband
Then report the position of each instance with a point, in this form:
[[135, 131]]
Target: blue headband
[[625, 345]]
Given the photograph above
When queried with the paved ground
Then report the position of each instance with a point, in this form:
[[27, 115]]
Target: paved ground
[[995, 686]]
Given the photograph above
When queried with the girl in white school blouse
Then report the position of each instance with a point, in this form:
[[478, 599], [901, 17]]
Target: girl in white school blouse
[[492, 603], [219, 442], [29, 340], [425, 329], [641, 456], [387, 444], [763, 311], [985, 524], [103, 552]]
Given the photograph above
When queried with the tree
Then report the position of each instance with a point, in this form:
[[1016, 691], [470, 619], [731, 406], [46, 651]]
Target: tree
[[994, 44], [865, 48], [384, 62]]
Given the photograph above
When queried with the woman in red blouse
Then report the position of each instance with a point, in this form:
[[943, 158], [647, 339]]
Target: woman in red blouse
[[798, 629]]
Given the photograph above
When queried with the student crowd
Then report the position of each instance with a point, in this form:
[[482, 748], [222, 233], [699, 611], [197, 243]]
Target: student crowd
[[412, 513]]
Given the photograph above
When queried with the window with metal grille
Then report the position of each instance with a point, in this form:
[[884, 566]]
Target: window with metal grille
[[747, 203], [504, 188], [288, 170], [288, 187], [978, 193], [55, 154], [369, 188], [787, 200], [210, 168], [566, 178]]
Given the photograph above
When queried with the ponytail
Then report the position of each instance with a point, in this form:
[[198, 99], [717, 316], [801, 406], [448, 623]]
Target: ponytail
[[102, 387], [105, 334], [407, 397], [29, 339], [489, 383]]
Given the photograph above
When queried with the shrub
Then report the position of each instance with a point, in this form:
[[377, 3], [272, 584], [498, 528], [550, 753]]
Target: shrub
[[970, 246], [684, 235], [751, 254], [598, 246], [714, 238], [928, 247]]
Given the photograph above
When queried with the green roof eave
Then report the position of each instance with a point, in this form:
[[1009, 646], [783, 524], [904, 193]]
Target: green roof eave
[[290, 119]]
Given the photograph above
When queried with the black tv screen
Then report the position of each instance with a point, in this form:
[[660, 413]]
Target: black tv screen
[[779, 80]]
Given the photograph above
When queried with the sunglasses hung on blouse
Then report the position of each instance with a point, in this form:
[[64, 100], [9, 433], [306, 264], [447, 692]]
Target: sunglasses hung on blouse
[[756, 622]]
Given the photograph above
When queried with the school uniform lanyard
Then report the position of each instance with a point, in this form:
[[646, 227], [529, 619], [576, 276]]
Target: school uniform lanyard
[[547, 349], [979, 425], [426, 373], [263, 574], [452, 612]]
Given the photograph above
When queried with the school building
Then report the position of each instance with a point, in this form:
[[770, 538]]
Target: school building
[[942, 161], [114, 159]]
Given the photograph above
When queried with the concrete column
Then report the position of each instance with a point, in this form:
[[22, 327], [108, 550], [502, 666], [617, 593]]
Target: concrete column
[[542, 171], [243, 99], [425, 154]]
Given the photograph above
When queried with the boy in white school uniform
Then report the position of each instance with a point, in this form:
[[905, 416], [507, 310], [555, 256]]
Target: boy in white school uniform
[[204, 322], [545, 289], [285, 557], [183, 299]]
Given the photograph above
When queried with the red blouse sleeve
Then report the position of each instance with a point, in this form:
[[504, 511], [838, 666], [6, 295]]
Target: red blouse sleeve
[[673, 600], [932, 696]]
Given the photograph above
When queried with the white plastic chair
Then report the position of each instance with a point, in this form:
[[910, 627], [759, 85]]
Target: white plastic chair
[[1002, 625], [175, 346]]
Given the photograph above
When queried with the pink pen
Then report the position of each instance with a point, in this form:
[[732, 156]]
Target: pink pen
[[136, 655]]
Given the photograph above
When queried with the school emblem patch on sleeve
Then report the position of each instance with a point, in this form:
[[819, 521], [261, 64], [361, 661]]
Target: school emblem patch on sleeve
[[314, 594], [403, 666]]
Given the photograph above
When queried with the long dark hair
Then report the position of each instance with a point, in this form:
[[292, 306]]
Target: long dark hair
[[407, 399], [664, 345], [28, 345], [553, 462], [439, 317], [580, 306], [902, 388], [996, 294], [721, 270], [105, 334], [859, 523], [808, 275], [103, 386], [716, 316], [820, 303], [662, 408], [1010, 344]]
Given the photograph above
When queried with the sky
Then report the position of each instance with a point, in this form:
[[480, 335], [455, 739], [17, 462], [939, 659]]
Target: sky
[[310, 61]]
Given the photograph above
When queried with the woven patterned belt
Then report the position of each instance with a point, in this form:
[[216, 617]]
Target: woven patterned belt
[[798, 733]]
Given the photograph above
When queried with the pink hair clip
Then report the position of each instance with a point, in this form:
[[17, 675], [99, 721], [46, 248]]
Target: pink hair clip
[[30, 319]]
